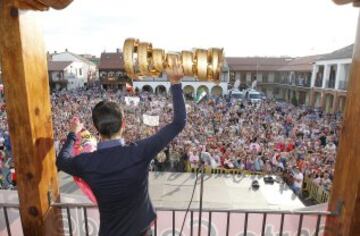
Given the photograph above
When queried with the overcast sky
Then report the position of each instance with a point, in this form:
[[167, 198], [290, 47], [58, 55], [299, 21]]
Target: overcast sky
[[241, 27]]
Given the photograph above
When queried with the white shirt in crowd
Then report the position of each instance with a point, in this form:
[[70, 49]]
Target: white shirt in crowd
[[298, 180]]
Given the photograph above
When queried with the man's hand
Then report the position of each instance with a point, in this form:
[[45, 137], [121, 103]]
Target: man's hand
[[75, 125], [174, 69]]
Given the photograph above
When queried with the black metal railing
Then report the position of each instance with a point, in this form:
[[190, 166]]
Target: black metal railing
[[246, 214]]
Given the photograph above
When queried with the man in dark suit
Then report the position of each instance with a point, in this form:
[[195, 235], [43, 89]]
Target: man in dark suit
[[118, 173]]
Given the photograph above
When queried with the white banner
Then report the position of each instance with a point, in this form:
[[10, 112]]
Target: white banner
[[132, 101], [151, 120]]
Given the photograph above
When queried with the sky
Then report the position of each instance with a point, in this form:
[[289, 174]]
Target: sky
[[242, 28]]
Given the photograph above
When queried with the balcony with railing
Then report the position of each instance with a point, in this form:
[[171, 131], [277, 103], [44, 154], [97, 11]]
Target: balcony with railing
[[343, 84], [330, 84], [319, 76], [318, 82], [61, 77], [79, 217], [83, 219], [302, 82]]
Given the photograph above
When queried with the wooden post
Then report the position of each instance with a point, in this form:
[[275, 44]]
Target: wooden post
[[346, 186], [25, 77]]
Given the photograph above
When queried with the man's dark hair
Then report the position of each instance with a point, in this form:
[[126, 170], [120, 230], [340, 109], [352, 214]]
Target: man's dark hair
[[107, 117]]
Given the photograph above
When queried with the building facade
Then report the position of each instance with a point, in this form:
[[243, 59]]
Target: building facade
[[319, 81], [330, 78], [261, 73], [62, 75], [293, 82], [111, 70], [191, 86], [84, 70]]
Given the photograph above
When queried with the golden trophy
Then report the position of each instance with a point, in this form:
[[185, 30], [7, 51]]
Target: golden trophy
[[142, 60]]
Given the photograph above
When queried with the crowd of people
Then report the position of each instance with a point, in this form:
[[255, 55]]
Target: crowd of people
[[6, 164], [270, 137]]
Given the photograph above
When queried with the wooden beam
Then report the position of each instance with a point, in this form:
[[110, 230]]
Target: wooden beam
[[356, 3], [346, 186], [25, 77], [41, 5]]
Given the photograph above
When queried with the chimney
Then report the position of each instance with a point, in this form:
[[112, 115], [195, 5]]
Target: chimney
[[117, 50], [66, 49], [55, 52]]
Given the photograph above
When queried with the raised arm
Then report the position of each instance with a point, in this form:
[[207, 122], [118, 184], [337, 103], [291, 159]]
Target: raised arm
[[154, 144], [64, 160], [163, 137]]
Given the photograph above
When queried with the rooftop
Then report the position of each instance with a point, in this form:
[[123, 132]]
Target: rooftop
[[342, 53], [58, 65], [256, 63], [111, 61], [301, 63]]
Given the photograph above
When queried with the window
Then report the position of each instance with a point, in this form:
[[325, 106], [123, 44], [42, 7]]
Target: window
[[265, 76], [332, 77], [319, 76], [254, 77], [80, 72], [254, 96], [103, 74], [243, 77]]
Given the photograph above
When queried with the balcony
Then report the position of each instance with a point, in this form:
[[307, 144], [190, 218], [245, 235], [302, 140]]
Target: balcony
[[114, 80], [318, 83], [83, 219], [343, 85], [302, 82], [330, 84], [80, 217]]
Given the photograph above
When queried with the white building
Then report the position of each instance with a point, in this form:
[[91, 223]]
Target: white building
[[330, 80], [62, 75], [81, 68], [191, 86]]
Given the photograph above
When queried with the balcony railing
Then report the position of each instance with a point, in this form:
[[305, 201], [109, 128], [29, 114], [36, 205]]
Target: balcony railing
[[83, 218], [330, 84], [318, 83], [302, 82], [266, 81], [296, 82], [343, 85]]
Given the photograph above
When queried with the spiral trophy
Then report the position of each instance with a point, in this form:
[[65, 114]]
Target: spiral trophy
[[142, 60]]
